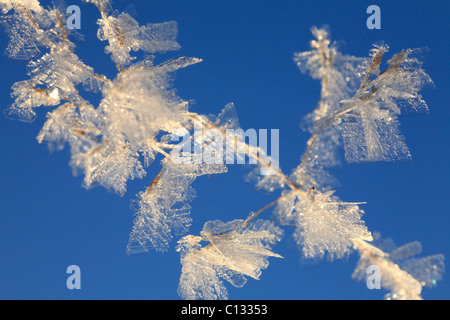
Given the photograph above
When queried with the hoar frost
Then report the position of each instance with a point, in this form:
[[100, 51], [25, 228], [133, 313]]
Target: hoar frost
[[233, 253], [125, 35], [164, 209], [324, 224], [401, 273], [140, 114]]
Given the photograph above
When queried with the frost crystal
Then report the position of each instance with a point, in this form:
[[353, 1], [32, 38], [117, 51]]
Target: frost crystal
[[337, 71], [370, 119], [138, 104], [24, 33], [140, 116], [401, 274], [71, 124], [233, 253], [124, 34], [164, 208], [29, 96], [368, 122], [60, 71], [111, 166], [312, 174], [324, 224], [266, 178], [339, 79], [7, 5], [53, 78]]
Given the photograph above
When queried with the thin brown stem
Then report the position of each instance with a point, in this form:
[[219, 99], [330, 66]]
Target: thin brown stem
[[257, 213], [154, 182], [251, 152]]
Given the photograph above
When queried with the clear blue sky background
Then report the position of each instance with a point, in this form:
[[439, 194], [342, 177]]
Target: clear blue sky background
[[48, 221]]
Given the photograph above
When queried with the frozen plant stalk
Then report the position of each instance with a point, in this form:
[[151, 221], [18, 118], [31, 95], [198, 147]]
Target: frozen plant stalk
[[140, 116]]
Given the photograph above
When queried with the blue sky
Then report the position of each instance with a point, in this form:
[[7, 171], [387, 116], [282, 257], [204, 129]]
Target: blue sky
[[48, 221]]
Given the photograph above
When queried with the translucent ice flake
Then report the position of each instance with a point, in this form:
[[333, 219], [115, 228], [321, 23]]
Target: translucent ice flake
[[104, 6], [228, 118], [313, 61], [427, 270], [156, 217], [139, 104], [310, 174], [233, 253], [266, 176], [29, 95], [164, 210], [124, 34], [110, 164], [398, 87], [20, 114], [321, 153], [175, 64], [401, 274], [337, 72], [23, 35], [324, 224], [60, 69], [370, 119], [373, 135], [339, 80], [53, 78], [73, 125], [7, 5]]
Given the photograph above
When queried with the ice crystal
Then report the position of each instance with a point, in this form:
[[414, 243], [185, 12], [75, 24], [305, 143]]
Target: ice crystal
[[370, 119], [138, 104], [226, 123], [7, 5], [311, 173], [324, 224], [71, 124], [163, 210], [110, 164], [53, 78], [29, 95], [227, 118], [103, 5], [140, 117], [337, 71], [373, 135], [267, 178], [233, 252], [124, 35], [401, 274], [60, 70], [340, 79], [22, 26]]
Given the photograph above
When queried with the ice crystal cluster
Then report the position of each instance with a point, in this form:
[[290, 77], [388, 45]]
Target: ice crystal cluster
[[401, 273], [317, 214], [165, 207], [140, 119], [233, 252]]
